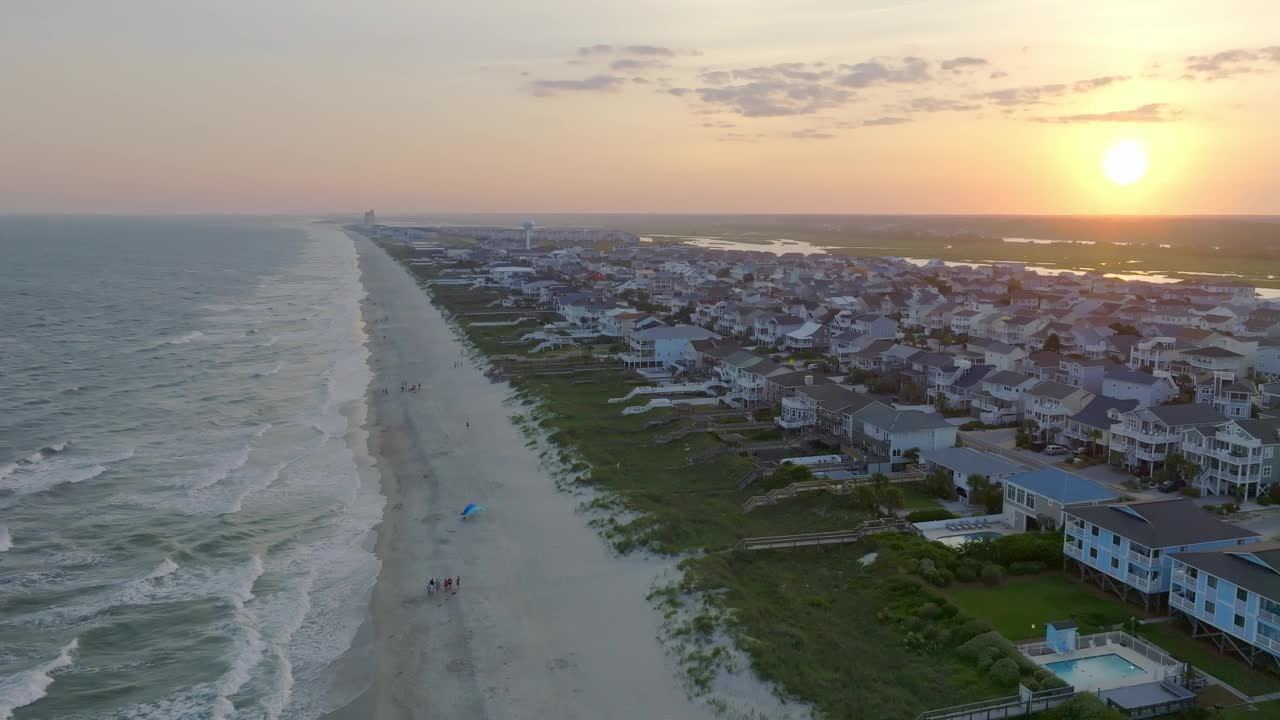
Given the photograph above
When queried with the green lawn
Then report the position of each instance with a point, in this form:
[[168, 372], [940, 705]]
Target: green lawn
[[1021, 607], [914, 498], [1265, 711], [1176, 639]]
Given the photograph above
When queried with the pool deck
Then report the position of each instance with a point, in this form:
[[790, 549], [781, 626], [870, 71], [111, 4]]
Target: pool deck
[[937, 529], [1151, 672]]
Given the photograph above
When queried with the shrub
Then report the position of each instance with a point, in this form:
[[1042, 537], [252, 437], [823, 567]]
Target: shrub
[[974, 628], [938, 578], [987, 657], [1191, 491], [1005, 671], [966, 572], [930, 515], [973, 648], [992, 574], [1025, 567], [929, 611]]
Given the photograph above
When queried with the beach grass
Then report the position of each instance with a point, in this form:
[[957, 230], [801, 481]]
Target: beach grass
[[809, 621]]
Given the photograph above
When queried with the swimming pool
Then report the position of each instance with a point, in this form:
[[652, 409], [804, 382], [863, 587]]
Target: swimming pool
[[962, 538], [1093, 672]]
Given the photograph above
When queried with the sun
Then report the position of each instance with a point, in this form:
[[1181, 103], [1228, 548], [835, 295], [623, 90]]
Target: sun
[[1125, 162]]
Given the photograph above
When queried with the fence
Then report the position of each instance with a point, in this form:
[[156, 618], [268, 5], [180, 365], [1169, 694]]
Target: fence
[[1169, 665], [1025, 702]]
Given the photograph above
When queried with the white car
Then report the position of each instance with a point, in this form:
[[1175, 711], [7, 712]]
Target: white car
[[1056, 450]]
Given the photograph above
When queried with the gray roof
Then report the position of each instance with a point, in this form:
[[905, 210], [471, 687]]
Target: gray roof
[[678, 332], [1213, 352], [1094, 414], [1063, 487], [1236, 565], [974, 376], [1268, 431], [1006, 377], [968, 461], [798, 379], [1120, 373], [890, 420], [833, 398], [1051, 389], [1162, 523], [1187, 414]]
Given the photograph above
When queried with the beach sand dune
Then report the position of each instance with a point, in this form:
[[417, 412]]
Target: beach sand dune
[[548, 622]]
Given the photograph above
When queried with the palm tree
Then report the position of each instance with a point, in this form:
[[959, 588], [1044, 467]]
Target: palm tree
[[891, 498], [1095, 436]]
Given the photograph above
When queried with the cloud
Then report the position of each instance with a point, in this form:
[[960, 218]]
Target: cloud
[[635, 65], [1037, 94], [811, 134], [910, 70], [595, 83], [1149, 113], [1228, 63], [775, 98], [933, 104], [677, 91], [634, 50], [998, 74], [720, 124], [962, 63], [641, 80], [880, 121], [717, 77]]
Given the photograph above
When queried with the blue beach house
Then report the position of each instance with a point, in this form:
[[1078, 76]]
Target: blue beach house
[[1231, 595], [1127, 548], [1036, 500]]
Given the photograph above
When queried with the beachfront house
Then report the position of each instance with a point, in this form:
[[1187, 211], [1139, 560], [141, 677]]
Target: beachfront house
[[886, 434], [1090, 427], [1126, 548], [819, 407], [747, 376], [1000, 400], [664, 347], [1122, 383], [1049, 404], [962, 463], [1240, 457], [1145, 436], [1036, 500], [1232, 595]]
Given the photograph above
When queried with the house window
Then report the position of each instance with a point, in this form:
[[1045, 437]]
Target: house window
[[1209, 607], [1115, 540], [1093, 529], [1268, 452], [1239, 620], [1093, 553], [1242, 594], [1212, 582], [1266, 471], [1115, 564]]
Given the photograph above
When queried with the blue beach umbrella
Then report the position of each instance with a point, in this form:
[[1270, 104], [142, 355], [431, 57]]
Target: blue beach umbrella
[[471, 509]]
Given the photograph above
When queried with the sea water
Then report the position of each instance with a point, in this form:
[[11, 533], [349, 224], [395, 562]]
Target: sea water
[[183, 529]]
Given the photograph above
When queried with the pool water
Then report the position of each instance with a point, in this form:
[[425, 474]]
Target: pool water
[[1092, 672], [962, 538]]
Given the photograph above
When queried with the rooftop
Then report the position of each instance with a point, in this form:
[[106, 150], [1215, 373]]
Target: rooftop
[[1162, 523], [1063, 487], [1254, 566], [967, 461]]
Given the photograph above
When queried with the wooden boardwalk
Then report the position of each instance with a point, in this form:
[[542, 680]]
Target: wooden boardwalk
[[835, 487], [839, 537]]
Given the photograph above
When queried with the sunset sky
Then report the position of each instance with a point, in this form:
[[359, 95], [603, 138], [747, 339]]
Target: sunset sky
[[903, 106]]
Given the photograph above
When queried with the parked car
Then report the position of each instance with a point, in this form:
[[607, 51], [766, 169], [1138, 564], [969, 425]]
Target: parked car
[[1169, 486], [1056, 450]]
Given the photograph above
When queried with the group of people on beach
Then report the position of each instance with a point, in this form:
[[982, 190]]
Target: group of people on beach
[[406, 387], [449, 585]]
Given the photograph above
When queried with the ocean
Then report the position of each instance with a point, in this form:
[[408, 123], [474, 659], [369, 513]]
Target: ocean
[[185, 531]]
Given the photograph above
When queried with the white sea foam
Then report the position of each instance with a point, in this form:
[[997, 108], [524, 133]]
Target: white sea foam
[[189, 337], [249, 644], [27, 687], [165, 568], [231, 463], [6, 540], [87, 473]]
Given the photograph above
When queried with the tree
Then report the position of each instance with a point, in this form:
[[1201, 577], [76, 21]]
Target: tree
[[865, 499], [749, 278], [982, 490], [892, 499], [723, 273], [1014, 285], [1053, 343], [938, 484], [911, 455], [1122, 329], [1095, 437]]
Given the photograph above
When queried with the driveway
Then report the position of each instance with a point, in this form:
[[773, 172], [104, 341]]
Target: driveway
[[1001, 442]]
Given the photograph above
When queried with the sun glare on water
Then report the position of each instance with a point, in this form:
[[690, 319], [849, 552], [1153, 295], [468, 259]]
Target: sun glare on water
[[1125, 162]]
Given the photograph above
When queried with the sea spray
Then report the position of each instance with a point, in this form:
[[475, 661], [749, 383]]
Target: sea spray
[[25, 688]]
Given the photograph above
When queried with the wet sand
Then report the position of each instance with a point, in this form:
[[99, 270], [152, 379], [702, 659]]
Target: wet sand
[[548, 623]]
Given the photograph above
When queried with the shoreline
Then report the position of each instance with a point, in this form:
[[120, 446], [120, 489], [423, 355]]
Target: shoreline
[[549, 622]]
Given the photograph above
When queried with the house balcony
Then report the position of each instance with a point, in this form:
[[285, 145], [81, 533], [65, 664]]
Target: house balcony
[[1158, 438], [1146, 560], [1180, 576], [1141, 582], [1269, 617], [795, 422], [1071, 551], [1150, 455], [1266, 643], [1182, 602]]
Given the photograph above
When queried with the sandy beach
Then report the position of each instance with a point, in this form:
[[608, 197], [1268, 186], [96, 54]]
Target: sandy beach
[[548, 623]]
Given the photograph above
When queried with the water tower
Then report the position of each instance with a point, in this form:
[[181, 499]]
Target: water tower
[[528, 234]]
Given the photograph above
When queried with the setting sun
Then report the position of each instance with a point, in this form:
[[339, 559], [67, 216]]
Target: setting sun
[[1125, 163]]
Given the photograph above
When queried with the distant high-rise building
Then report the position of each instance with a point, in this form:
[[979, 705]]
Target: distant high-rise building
[[528, 234], [370, 219]]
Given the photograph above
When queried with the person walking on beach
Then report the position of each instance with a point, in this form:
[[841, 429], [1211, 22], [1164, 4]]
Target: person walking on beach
[[447, 582], [431, 587], [457, 584]]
